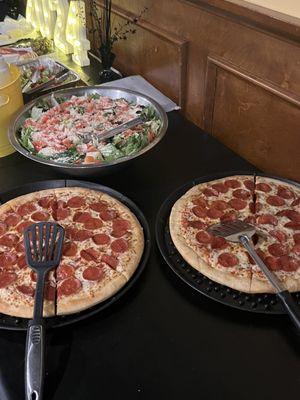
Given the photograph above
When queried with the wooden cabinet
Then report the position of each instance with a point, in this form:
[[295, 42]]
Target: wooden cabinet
[[234, 69]]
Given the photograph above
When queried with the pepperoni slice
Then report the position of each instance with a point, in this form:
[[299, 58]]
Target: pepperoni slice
[[296, 238], [26, 289], [241, 194], [238, 204], [60, 214], [64, 271], [81, 235], [214, 213], [118, 233], [81, 217], [108, 215], [275, 201], [22, 262], [296, 202], [229, 216], [69, 249], [220, 205], [209, 192], [110, 260], [68, 287], [277, 250], [8, 259], [7, 278], [119, 246], [90, 254], [273, 263], [40, 216], [199, 211], [121, 224], [26, 209], [293, 225], [228, 260], [76, 202], [296, 249], [285, 193], [219, 243], [45, 202], [20, 248], [9, 240], [263, 187], [33, 276], [267, 219], [289, 263], [195, 224], [55, 204], [12, 219], [23, 225], [232, 183], [203, 237], [3, 228], [49, 292], [101, 239], [220, 187], [99, 206], [93, 274], [249, 184], [199, 202], [290, 214], [93, 223], [279, 235]]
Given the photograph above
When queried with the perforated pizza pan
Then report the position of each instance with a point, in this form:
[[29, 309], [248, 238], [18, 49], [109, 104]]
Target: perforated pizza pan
[[13, 323], [260, 303]]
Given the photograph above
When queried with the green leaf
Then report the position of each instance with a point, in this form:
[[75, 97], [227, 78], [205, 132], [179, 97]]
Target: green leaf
[[25, 139]]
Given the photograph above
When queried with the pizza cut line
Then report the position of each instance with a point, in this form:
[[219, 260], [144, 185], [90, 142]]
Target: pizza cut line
[[271, 205], [103, 246]]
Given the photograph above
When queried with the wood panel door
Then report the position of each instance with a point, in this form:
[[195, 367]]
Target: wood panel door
[[254, 118]]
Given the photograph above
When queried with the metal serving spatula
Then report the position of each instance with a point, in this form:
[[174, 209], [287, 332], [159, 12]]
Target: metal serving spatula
[[241, 232], [43, 246]]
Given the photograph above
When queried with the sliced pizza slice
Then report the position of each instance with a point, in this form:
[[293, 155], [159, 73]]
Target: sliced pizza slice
[[82, 284], [277, 218]]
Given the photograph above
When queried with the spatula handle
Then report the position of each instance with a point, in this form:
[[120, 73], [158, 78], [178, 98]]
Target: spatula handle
[[291, 307], [34, 361]]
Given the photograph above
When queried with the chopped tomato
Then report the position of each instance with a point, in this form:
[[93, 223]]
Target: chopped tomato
[[39, 145], [68, 143]]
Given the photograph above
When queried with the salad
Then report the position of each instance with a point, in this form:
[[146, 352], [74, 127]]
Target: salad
[[59, 132]]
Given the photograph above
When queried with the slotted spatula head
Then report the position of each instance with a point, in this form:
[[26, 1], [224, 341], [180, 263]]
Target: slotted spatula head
[[43, 244], [232, 230]]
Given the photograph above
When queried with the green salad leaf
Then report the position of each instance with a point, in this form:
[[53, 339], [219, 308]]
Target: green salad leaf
[[25, 139], [110, 152]]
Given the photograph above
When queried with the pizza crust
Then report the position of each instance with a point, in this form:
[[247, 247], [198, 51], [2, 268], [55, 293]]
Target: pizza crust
[[83, 300], [24, 310]]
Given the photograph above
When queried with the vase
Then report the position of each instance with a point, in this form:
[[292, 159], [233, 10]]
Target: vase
[[107, 59]]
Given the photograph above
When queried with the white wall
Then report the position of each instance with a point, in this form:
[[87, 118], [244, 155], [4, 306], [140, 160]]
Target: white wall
[[290, 7]]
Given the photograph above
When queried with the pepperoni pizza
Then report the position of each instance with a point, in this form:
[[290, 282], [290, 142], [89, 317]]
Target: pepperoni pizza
[[269, 204], [103, 246]]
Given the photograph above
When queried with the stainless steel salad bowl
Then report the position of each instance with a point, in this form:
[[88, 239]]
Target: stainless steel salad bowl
[[88, 169]]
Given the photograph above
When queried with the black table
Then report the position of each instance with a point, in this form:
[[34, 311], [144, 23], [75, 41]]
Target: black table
[[160, 341]]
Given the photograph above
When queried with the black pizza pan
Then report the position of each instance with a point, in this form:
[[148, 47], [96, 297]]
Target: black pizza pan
[[260, 303], [13, 323]]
